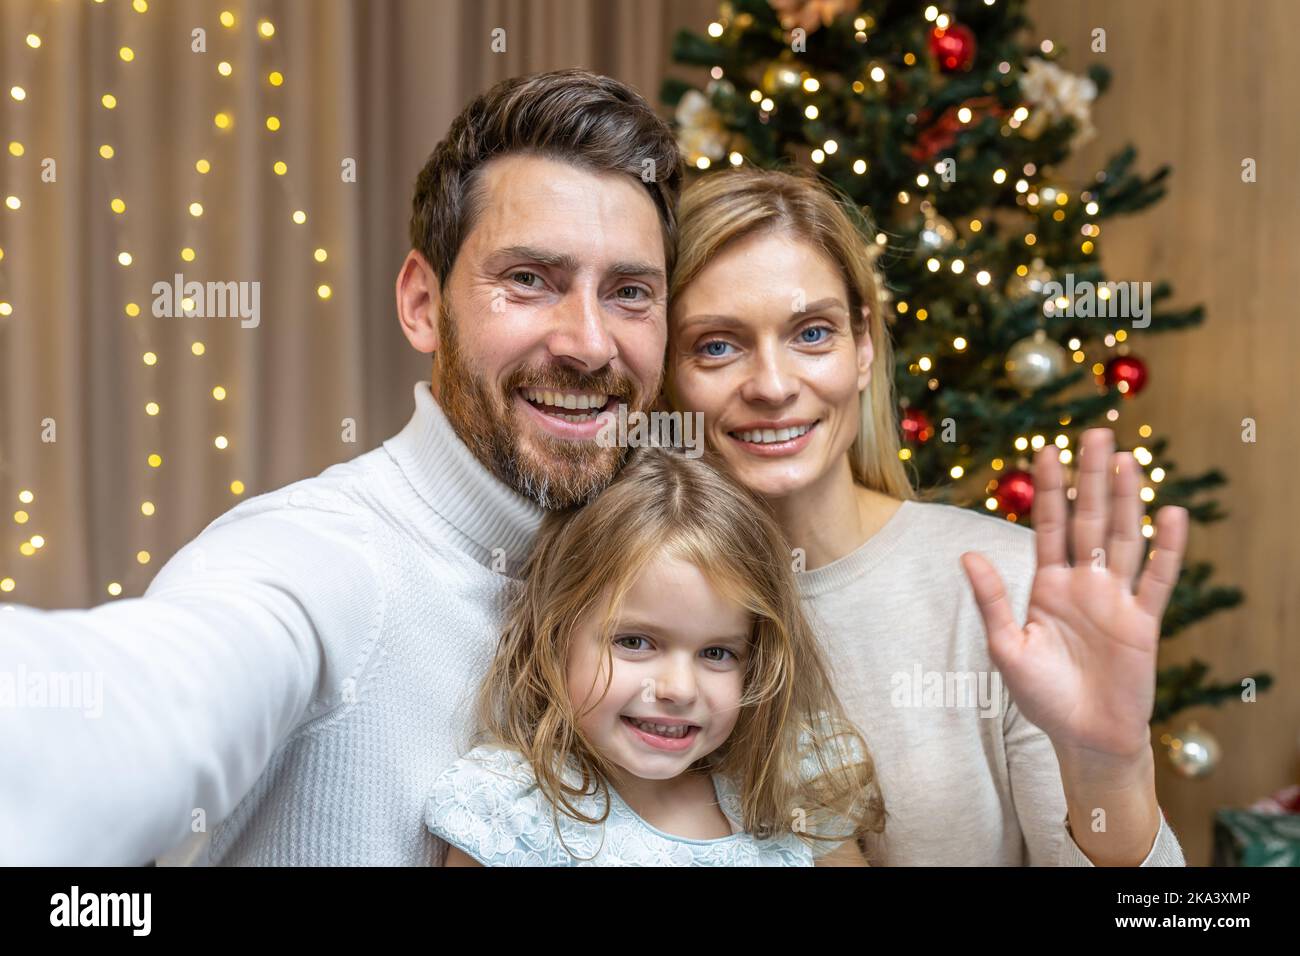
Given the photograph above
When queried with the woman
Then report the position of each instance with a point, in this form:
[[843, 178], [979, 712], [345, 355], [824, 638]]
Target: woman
[[983, 745]]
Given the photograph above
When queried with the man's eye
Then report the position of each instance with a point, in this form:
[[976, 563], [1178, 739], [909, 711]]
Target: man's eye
[[635, 290], [526, 278]]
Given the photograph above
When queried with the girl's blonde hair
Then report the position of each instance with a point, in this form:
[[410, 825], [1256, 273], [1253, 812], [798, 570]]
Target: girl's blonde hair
[[792, 748], [722, 208]]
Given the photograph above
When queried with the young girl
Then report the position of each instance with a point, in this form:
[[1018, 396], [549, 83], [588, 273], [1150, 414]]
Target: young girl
[[657, 697]]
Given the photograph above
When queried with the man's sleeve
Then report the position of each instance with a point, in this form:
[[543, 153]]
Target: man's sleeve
[[1039, 799], [128, 723]]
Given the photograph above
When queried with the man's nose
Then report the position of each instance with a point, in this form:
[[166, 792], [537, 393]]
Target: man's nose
[[581, 334]]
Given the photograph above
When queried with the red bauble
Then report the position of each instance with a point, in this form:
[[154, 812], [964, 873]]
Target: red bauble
[[916, 426], [953, 48], [1015, 492], [1130, 370]]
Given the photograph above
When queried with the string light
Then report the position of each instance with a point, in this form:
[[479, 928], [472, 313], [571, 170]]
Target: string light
[[222, 120]]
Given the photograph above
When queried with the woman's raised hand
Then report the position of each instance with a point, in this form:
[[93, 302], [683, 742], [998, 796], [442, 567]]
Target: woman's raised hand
[[1083, 667]]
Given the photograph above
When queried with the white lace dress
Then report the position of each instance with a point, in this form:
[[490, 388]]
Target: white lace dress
[[489, 805]]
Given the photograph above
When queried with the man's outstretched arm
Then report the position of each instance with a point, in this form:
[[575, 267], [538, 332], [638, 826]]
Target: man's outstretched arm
[[182, 696]]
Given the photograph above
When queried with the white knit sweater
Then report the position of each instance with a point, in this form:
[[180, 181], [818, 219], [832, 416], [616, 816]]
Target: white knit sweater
[[292, 681]]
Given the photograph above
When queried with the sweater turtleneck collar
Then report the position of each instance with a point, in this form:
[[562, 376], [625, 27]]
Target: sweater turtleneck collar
[[456, 485]]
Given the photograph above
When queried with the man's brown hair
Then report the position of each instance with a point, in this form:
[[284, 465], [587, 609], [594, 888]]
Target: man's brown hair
[[573, 116]]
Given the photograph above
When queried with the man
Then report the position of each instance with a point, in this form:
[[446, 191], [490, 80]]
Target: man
[[295, 677]]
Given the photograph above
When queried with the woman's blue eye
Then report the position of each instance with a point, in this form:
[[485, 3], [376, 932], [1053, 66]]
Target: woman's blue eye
[[816, 328], [706, 345]]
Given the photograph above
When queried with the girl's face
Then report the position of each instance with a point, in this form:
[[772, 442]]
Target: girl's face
[[761, 343], [678, 652]]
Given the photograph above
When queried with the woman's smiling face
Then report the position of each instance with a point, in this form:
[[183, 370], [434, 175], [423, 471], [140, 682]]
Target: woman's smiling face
[[761, 343]]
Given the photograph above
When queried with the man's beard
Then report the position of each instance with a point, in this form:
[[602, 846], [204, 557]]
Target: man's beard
[[554, 472]]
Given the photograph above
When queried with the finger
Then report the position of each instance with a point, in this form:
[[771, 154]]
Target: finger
[[1161, 573], [1049, 510], [1004, 633], [1126, 546], [1090, 508]]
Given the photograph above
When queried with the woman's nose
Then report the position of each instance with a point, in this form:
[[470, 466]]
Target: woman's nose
[[770, 380]]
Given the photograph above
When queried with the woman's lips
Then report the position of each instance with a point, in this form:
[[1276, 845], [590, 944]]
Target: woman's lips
[[670, 744], [777, 449]]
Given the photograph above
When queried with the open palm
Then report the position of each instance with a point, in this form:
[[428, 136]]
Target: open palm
[[1083, 666]]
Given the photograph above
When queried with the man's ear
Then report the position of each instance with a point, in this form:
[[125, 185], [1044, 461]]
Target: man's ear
[[866, 353], [418, 299]]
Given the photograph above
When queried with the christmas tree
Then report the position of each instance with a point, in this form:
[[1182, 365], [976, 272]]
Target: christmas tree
[[944, 128]]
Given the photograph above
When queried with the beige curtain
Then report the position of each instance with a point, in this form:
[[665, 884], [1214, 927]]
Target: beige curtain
[[374, 82]]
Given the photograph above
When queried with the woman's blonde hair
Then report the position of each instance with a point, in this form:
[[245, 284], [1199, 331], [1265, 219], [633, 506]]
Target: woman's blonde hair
[[724, 207], [793, 755]]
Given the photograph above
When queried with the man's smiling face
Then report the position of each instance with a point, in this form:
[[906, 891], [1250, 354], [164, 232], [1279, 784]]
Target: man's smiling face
[[555, 309]]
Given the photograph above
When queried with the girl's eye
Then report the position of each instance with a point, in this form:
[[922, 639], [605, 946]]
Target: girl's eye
[[707, 345], [526, 278], [723, 650], [619, 641], [816, 328]]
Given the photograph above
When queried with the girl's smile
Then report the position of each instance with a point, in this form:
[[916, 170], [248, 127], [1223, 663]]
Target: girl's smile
[[663, 733]]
